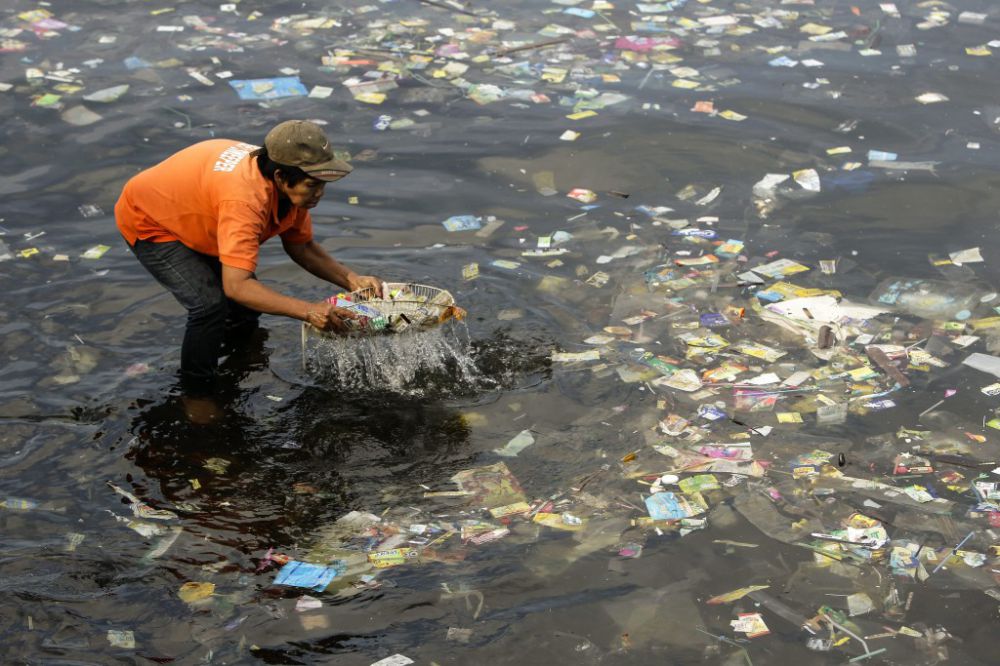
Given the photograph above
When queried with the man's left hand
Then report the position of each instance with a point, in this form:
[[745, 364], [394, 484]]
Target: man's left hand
[[367, 282]]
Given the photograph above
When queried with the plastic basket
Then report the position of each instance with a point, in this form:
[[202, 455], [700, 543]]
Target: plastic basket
[[403, 307]]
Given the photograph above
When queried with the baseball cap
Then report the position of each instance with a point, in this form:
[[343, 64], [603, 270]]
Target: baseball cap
[[302, 144]]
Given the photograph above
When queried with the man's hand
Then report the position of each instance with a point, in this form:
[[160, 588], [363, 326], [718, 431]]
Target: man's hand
[[367, 282], [327, 317]]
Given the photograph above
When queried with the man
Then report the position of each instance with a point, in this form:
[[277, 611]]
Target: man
[[196, 221]]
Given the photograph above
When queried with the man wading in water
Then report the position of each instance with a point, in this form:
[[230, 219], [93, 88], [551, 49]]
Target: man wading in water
[[196, 221]]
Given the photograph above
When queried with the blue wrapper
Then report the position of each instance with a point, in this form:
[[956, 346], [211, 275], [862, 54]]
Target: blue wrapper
[[463, 223], [282, 86], [303, 574]]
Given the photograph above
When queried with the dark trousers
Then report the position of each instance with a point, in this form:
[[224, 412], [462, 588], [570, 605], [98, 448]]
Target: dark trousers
[[195, 280]]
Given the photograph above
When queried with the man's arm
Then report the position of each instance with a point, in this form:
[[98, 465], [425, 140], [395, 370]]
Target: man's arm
[[312, 257], [241, 286]]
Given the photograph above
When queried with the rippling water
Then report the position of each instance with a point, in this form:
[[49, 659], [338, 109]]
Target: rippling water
[[91, 347]]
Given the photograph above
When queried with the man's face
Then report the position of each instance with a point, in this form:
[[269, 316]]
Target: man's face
[[305, 193]]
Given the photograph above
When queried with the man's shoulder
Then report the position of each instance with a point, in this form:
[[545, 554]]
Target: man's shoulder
[[223, 155]]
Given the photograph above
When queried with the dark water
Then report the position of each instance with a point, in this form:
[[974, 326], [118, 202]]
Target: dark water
[[91, 346]]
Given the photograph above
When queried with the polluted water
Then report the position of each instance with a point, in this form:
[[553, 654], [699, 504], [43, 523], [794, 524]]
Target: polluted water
[[728, 391]]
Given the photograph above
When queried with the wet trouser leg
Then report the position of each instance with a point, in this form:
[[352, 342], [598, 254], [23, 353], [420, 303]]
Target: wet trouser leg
[[195, 280], [241, 322]]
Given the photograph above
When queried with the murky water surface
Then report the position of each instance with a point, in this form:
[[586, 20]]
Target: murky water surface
[[130, 535]]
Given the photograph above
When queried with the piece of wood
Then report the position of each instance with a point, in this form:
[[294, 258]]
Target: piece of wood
[[882, 361], [529, 47]]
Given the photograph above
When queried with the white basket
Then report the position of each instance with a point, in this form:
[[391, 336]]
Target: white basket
[[403, 306]]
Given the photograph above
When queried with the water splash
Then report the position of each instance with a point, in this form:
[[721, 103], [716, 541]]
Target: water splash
[[410, 363]]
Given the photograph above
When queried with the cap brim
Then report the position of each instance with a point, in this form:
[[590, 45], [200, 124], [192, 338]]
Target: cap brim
[[329, 171]]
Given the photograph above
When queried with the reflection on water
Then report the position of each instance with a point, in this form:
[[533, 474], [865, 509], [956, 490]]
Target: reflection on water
[[112, 499]]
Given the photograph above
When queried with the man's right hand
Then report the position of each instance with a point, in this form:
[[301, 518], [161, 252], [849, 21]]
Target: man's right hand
[[327, 317], [241, 286]]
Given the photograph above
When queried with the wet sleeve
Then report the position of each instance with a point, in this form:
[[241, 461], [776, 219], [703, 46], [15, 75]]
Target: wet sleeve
[[301, 231], [240, 227]]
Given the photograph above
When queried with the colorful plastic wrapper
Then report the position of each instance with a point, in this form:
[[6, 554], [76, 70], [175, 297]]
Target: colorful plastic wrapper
[[490, 486], [669, 506]]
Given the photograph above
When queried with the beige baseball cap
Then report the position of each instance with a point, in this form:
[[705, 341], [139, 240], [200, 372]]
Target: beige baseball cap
[[302, 144]]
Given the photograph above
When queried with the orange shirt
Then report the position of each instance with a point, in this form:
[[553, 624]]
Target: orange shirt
[[213, 198]]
